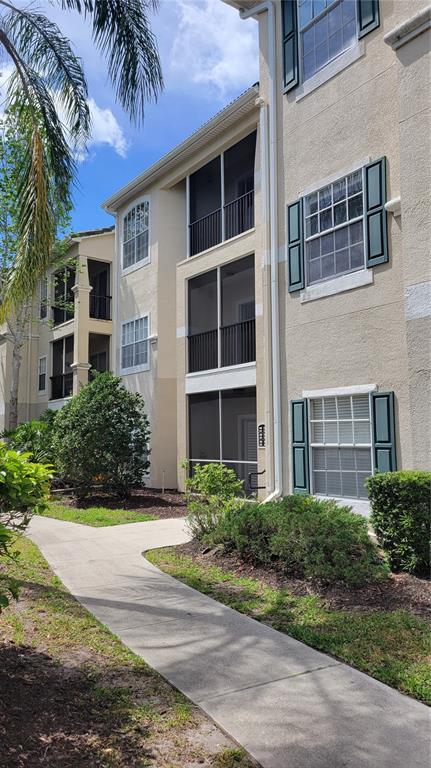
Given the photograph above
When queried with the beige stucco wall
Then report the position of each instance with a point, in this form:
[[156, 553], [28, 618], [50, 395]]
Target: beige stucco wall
[[41, 334], [359, 336]]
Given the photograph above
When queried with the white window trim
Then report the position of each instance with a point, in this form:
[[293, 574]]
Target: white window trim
[[359, 389], [339, 284], [331, 280], [143, 262], [42, 357], [331, 69], [144, 366]]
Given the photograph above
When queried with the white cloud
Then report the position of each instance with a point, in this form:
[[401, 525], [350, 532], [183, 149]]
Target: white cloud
[[105, 129], [213, 46]]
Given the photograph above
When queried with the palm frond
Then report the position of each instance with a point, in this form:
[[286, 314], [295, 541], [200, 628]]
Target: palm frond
[[122, 32]]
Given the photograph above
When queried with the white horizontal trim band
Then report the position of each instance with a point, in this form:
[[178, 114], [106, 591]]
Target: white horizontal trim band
[[357, 389]]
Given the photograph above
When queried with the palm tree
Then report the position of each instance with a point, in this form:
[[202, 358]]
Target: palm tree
[[47, 93]]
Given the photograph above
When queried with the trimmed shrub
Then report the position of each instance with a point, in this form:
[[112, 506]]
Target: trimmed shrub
[[401, 518], [306, 537], [208, 489], [102, 435]]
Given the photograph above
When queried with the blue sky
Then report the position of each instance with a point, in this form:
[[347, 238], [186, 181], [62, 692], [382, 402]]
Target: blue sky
[[209, 56]]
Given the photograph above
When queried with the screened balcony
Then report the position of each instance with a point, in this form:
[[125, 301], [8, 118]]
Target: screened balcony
[[100, 299], [222, 429], [221, 197], [63, 305], [98, 352], [62, 374], [221, 312]]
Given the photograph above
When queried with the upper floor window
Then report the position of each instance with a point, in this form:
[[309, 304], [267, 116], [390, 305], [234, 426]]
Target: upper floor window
[[317, 32], [41, 374], [134, 343], [334, 229], [136, 235], [43, 299], [327, 28]]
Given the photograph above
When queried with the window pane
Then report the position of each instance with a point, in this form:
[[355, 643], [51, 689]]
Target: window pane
[[311, 226], [340, 213], [344, 405], [355, 207], [204, 427], [142, 246], [327, 244], [342, 263], [141, 353], [325, 197], [328, 265], [361, 407], [341, 238], [326, 219], [311, 204], [354, 183]]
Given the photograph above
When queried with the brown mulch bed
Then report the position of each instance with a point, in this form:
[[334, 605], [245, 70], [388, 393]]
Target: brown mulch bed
[[399, 591], [148, 500]]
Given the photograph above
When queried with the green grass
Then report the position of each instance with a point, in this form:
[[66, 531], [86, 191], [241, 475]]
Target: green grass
[[96, 517], [136, 718], [392, 646]]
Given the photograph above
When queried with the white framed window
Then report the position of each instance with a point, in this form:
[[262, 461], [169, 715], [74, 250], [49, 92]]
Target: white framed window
[[327, 28], [41, 372], [334, 229], [136, 226], [135, 344], [340, 445], [43, 299]]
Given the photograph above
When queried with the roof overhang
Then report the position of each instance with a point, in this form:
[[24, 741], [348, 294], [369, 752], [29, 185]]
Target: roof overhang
[[212, 129]]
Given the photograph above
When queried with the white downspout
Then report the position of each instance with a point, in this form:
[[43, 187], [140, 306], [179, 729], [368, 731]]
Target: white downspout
[[268, 7]]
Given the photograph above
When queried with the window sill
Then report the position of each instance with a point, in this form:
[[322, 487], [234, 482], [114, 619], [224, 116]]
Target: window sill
[[333, 68], [337, 285], [134, 369], [134, 267]]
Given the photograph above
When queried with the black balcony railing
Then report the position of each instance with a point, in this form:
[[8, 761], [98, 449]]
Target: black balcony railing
[[239, 215], [238, 343], [61, 315], [237, 346], [203, 352], [61, 386], [205, 232], [100, 307]]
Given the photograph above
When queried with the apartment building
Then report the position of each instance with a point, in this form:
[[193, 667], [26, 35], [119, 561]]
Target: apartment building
[[189, 308], [69, 332], [271, 285], [348, 88]]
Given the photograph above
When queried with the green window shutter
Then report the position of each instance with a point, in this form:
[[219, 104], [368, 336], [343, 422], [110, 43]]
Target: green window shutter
[[368, 16], [290, 44], [385, 456], [295, 246], [301, 483], [376, 225]]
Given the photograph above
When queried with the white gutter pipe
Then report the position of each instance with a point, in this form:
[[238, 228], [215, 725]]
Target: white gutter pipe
[[268, 7]]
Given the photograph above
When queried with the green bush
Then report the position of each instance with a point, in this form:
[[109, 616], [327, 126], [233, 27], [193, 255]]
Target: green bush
[[306, 537], [35, 437], [24, 491], [401, 518], [207, 491], [102, 436]]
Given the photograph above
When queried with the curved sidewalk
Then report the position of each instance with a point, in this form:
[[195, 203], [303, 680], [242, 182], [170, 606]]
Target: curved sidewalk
[[288, 705]]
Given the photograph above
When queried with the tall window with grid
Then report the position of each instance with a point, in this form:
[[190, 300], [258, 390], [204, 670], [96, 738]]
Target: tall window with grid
[[134, 343], [334, 229], [341, 445], [136, 235], [327, 29]]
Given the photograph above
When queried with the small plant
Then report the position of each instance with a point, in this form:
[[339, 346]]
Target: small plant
[[34, 437], [24, 491], [208, 489], [103, 433], [401, 518]]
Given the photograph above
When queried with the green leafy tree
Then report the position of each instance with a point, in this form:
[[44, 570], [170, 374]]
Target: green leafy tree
[[102, 436], [48, 94]]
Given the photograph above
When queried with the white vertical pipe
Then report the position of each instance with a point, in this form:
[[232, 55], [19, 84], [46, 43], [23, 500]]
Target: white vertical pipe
[[223, 227], [268, 7], [188, 214]]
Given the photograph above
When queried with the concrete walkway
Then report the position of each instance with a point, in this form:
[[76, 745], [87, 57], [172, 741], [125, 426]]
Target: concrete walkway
[[287, 704]]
